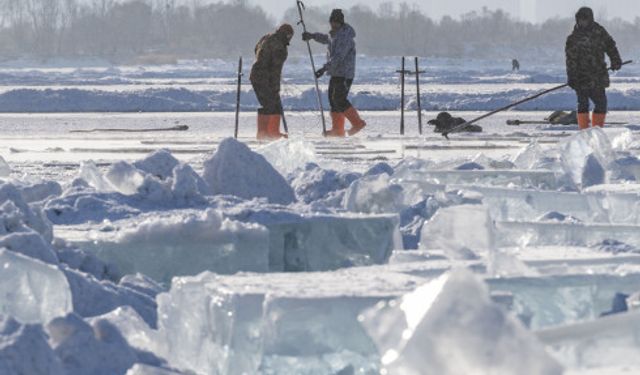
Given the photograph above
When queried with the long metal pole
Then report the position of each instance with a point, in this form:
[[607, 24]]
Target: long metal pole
[[235, 134], [418, 94], [284, 120], [402, 73], [536, 96], [300, 5]]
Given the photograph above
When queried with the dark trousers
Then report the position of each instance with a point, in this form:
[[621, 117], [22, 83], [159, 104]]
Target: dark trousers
[[268, 98], [598, 96], [338, 91]]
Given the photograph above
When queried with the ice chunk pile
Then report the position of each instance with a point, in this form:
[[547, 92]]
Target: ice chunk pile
[[374, 194], [587, 157], [236, 170], [450, 326], [182, 243], [313, 184]]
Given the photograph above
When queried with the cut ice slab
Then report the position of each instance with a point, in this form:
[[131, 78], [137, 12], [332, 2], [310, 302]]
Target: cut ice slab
[[462, 232], [563, 299], [231, 324], [542, 179], [180, 243], [597, 345], [450, 326], [32, 291], [519, 233], [158, 245]]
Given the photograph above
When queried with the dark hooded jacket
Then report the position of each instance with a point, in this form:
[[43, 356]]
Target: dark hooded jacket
[[585, 50], [341, 55], [271, 54]]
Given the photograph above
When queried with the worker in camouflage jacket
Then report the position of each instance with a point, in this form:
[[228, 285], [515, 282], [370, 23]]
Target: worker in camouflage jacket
[[586, 66], [266, 73], [341, 66]]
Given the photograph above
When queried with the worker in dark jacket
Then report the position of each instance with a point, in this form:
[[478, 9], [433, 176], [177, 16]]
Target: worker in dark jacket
[[341, 66], [271, 53], [586, 66]]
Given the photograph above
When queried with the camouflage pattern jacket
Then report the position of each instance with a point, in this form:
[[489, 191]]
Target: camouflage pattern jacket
[[341, 56], [585, 50], [271, 54]]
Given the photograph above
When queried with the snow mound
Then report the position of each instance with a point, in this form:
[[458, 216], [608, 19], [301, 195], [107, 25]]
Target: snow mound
[[159, 164], [236, 170], [16, 214], [184, 243], [314, 183], [462, 232], [99, 349], [24, 350], [587, 157], [32, 291], [450, 326]]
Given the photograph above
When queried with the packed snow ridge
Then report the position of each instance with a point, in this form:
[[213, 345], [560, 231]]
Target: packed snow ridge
[[269, 262]]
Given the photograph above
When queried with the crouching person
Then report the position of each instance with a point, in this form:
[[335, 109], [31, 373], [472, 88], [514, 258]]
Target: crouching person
[[586, 66], [266, 73], [341, 66]]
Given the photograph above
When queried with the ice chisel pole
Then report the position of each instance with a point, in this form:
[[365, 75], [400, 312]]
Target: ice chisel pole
[[284, 119], [536, 96], [300, 5], [235, 134], [418, 96]]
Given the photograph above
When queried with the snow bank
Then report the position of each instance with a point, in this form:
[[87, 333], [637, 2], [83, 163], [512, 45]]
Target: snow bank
[[32, 291], [450, 326], [182, 244], [236, 170], [368, 97]]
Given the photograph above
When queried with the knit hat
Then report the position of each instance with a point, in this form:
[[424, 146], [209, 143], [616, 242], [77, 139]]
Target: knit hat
[[337, 16], [285, 28], [585, 13]]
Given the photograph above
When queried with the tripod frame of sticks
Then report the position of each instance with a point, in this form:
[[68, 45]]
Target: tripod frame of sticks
[[403, 73]]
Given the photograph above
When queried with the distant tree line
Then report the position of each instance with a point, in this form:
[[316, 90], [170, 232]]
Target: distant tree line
[[164, 30]]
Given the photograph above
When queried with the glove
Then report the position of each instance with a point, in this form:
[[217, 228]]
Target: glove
[[573, 83], [321, 72], [306, 36], [616, 65]]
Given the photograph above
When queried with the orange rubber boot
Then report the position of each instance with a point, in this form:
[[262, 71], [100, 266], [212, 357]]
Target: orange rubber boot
[[274, 127], [263, 127], [337, 125], [357, 123], [583, 120], [599, 119]]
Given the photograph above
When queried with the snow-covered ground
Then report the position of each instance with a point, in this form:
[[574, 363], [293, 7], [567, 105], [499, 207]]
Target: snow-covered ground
[[516, 250]]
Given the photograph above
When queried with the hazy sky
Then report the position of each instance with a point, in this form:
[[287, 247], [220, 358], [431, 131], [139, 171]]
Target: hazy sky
[[530, 10]]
